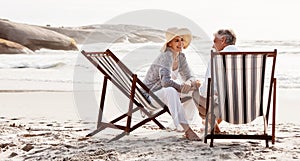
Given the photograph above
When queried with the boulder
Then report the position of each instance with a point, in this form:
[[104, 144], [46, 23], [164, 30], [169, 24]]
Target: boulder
[[35, 37], [9, 47]]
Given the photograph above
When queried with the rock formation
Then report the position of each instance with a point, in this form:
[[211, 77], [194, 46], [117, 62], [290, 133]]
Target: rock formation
[[32, 37], [35, 37], [9, 47]]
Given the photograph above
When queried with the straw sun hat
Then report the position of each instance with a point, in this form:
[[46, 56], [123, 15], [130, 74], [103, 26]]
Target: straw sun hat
[[173, 32]]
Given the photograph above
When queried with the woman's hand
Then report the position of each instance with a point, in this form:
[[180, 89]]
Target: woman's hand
[[190, 85], [186, 87]]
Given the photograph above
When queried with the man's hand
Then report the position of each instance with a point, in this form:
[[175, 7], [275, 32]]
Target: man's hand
[[195, 84]]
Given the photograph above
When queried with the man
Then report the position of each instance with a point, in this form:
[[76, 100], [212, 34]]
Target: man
[[224, 40]]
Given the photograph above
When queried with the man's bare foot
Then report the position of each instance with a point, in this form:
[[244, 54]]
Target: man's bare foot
[[191, 135], [216, 128]]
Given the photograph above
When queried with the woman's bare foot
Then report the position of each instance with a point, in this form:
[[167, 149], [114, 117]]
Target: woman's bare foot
[[191, 135]]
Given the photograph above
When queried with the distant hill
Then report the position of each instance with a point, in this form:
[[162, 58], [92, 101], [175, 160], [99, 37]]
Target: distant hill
[[33, 37], [111, 33]]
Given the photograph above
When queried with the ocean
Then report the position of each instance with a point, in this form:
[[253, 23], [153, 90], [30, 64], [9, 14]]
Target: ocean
[[69, 71], [48, 71]]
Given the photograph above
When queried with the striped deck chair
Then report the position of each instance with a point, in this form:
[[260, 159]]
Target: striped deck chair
[[241, 78], [131, 86]]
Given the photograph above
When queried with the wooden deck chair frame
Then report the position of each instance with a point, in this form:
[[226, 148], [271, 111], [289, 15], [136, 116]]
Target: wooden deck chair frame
[[272, 90], [130, 85]]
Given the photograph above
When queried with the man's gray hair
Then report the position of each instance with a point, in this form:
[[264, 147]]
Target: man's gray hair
[[229, 35]]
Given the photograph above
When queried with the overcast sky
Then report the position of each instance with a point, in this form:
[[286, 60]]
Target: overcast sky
[[251, 19]]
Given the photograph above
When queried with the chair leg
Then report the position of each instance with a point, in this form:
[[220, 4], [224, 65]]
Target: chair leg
[[267, 143], [98, 129], [94, 132], [118, 137], [206, 129], [212, 130], [211, 142], [265, 130], [274, 113]]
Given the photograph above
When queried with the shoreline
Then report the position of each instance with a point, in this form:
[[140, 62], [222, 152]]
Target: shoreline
[[46, 103]]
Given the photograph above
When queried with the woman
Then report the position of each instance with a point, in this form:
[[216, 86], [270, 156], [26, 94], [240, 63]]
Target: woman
[[170, 65]]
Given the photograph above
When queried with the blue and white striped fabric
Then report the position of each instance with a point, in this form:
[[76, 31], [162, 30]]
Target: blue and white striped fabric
[[240, 81]]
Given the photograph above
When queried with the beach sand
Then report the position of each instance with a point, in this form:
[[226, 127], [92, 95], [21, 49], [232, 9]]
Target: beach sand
[[46, 125]]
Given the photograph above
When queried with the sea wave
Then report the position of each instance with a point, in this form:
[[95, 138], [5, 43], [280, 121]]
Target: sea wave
[[283, 47], [32, 65], [43, 59], [69, 70]]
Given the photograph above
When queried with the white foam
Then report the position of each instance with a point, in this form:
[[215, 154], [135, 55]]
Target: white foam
[[69, 70]]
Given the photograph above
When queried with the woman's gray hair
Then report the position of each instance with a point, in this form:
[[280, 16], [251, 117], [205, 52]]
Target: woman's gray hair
[[229, 35]]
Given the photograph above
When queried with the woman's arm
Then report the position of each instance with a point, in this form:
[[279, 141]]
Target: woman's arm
[[184, 69], [166, 81]]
